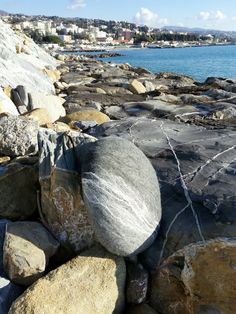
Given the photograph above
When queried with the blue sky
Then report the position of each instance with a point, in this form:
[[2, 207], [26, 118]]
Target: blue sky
[[217, 14]]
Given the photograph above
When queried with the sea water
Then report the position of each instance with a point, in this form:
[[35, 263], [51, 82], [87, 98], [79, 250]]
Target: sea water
[[197, 62]]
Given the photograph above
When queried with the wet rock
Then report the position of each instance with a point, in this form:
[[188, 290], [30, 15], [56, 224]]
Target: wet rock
[[27, 249], [61, 200], [18, 136], [125, 212], [18, 190], [92, 283], [137, 283], [197, 279]]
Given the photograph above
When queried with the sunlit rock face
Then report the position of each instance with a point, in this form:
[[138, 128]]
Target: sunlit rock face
[[22, 62]]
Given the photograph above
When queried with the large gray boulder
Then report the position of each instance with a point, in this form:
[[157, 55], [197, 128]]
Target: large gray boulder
[[121, 193], [18, 136]]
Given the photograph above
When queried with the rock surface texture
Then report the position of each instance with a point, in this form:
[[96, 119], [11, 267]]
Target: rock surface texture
[[197, 279], [18, 136], [121, 192], [63, 208], [92, 283], [20, 68], [26, 252]]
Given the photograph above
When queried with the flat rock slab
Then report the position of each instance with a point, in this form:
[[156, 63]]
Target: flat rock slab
[[18, 136], [92, 283], [197, 279], [193, 165]]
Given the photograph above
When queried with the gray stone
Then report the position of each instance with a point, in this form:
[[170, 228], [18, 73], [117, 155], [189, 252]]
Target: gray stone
[[18, 136], [121, 193], [18, 190], [26, 252], [61, 200], [9, 292]]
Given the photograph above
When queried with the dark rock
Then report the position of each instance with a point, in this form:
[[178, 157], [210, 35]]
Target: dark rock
[[140, 309], [137, 283], [18, 190], [125, 210]]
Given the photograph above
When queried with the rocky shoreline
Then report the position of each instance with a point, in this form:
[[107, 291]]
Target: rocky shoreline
[[118, 193]]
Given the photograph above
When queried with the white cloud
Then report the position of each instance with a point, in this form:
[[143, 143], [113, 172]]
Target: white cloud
[[219, 15], [76, 4], [211, 16], [234, 18], [149, 18], [204, 16]]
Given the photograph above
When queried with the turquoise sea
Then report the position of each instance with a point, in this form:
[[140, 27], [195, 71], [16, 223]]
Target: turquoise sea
[[197, 62]]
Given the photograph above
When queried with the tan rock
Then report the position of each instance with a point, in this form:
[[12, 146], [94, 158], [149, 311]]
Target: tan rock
[[137, 87], [53, 74], [100, 90], [27, 249], [41, 115], [87, 115], [197, 279], [58, 126], [4, 159], [89, 284], [7, 90]]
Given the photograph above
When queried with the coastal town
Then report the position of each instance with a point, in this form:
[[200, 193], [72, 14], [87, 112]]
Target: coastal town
[[77, 34]]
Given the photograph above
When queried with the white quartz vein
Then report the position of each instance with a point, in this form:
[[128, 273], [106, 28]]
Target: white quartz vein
[[183, 183]]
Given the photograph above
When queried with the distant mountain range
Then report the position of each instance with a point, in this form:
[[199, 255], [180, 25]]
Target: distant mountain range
[[201, 31], [3, 13]]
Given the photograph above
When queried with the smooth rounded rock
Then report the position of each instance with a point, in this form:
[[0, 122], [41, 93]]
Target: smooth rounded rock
[[121, 193]]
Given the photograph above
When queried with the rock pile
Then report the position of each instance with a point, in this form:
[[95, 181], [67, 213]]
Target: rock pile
[[118, 194]]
